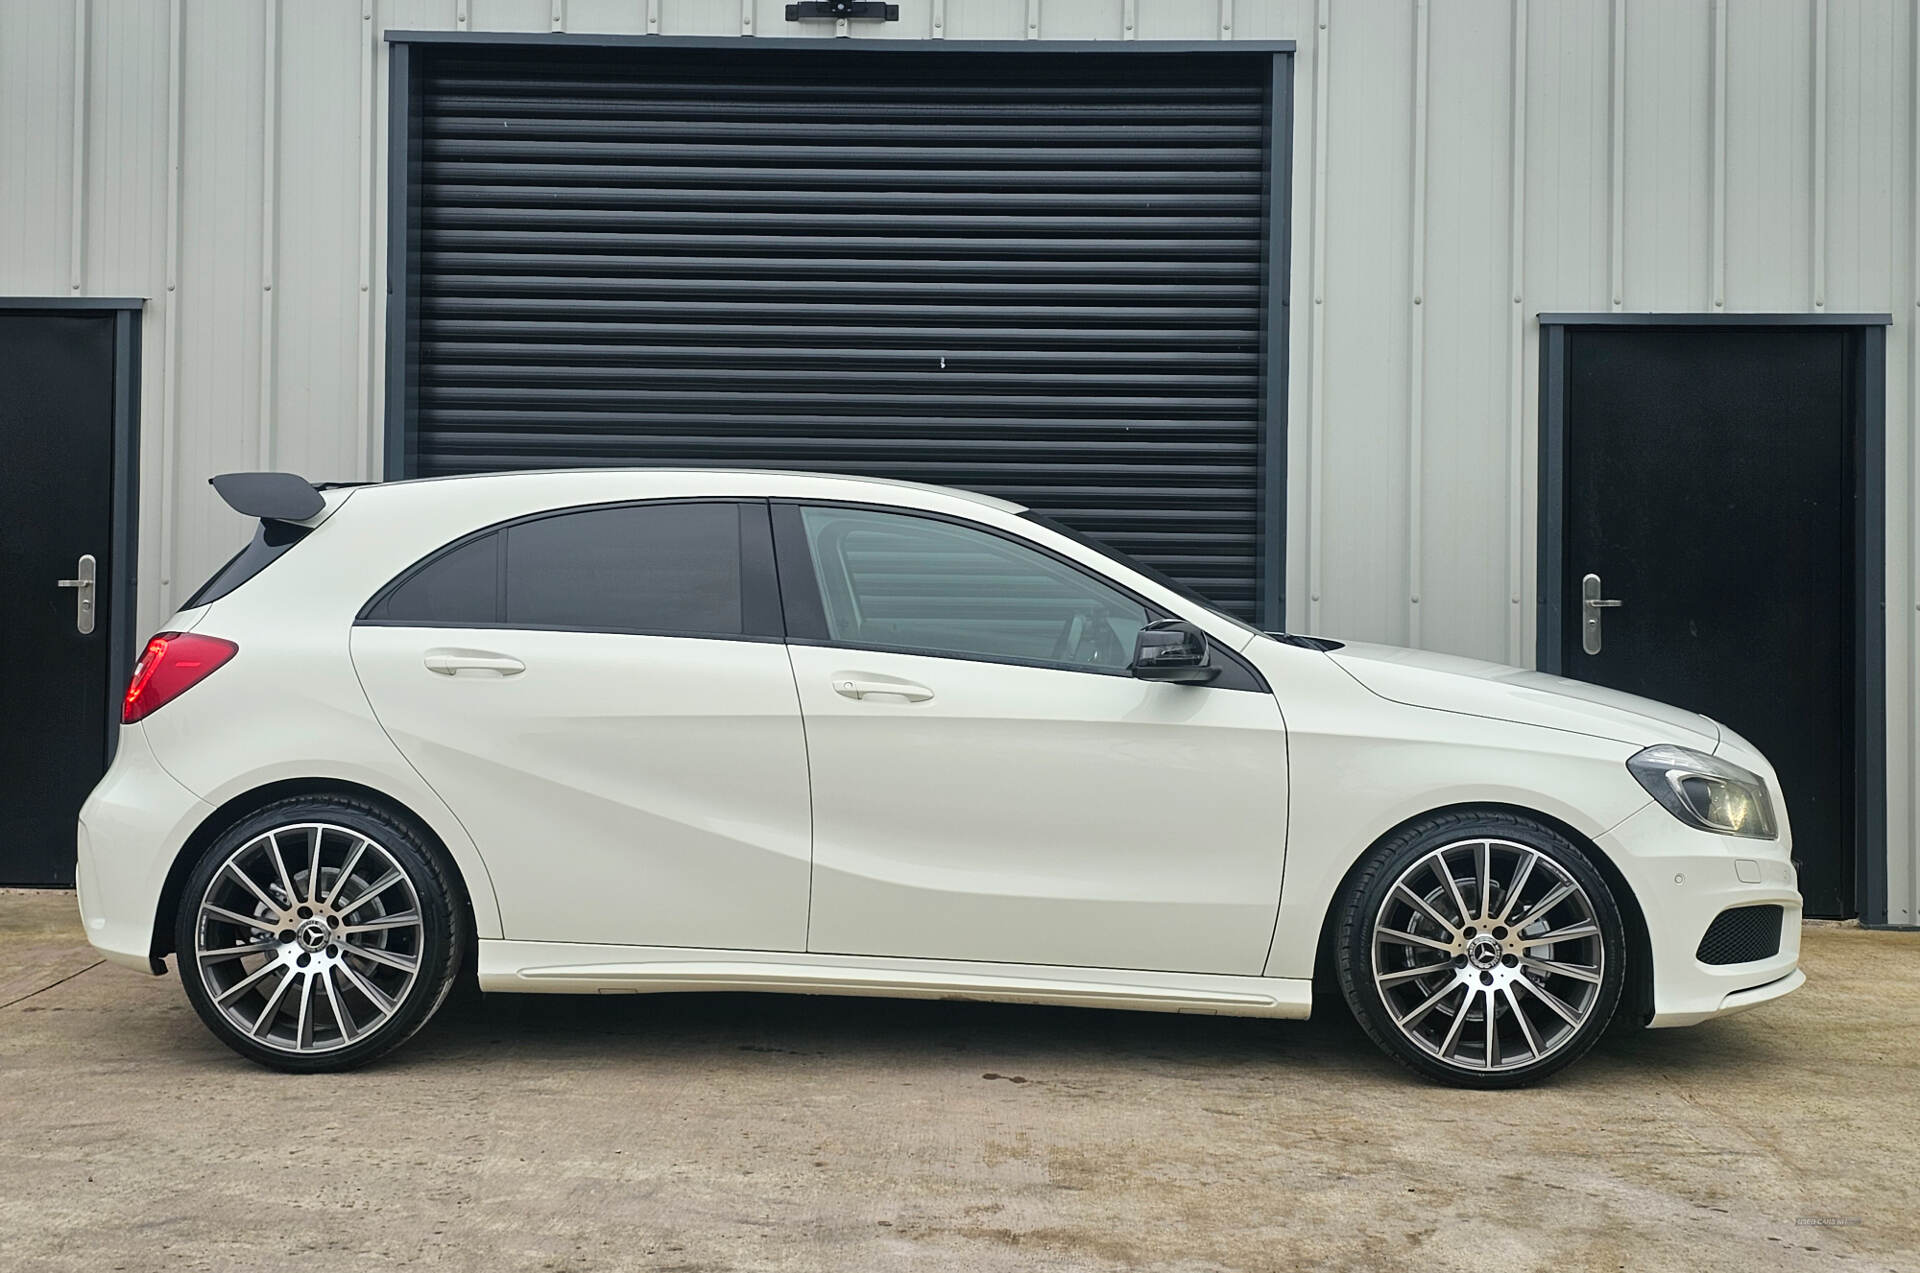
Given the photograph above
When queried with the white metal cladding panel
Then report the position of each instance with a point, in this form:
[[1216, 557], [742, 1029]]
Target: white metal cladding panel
[[1675, 148], [1769, 159], [1361, 503], [1466, 311], [1668, 199], [313, 248], [36, 149]]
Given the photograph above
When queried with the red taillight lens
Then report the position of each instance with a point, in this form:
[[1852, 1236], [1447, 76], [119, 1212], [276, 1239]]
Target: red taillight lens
[[174, 662]]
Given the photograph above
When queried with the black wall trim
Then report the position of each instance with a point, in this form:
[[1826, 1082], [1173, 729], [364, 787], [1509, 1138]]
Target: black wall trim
[[782, 45], [403, 166], [123, 572], [70, 303], [1870, 628], [122, 582], [1276, 320], [1715, 320], [1869, 548]]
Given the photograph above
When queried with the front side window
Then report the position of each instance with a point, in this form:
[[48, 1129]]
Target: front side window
[[668, 568], [896, 581]]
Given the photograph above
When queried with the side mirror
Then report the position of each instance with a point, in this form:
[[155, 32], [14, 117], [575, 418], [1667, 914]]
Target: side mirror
[[1172, 650]]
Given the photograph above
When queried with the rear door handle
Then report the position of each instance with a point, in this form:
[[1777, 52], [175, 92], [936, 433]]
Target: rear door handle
[[848, 687], [454, 662]]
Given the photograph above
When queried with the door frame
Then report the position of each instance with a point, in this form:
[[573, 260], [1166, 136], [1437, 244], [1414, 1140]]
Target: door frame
[[1867, 585], [405, 127], [123, 518]]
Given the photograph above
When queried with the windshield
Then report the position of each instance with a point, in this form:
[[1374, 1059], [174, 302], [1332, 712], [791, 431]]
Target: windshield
[[1140, 567]]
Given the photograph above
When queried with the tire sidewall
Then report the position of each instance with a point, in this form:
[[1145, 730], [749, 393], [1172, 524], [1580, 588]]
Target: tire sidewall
[[1383, 867], [440, 938]]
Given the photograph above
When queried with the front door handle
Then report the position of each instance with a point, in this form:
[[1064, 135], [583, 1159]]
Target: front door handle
[[848, 687], [1591, 604], [454, 662], [82, 583]]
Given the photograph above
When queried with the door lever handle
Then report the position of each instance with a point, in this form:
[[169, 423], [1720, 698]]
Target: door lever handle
[[86, 576], [454, 662], [849, 688], [1591, 604]]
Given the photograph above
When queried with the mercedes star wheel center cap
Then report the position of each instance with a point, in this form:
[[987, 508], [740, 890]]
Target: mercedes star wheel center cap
[[1483, 952]]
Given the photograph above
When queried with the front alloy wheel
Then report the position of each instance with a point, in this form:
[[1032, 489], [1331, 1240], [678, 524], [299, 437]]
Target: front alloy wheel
[[1486, 955], [316, 935]]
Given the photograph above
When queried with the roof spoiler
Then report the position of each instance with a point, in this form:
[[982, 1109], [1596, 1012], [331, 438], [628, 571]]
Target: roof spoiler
[[276, 497]]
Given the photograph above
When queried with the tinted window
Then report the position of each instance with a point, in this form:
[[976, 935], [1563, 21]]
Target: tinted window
[[1134, 564], [642, 568], [462, 586], [915, 583]]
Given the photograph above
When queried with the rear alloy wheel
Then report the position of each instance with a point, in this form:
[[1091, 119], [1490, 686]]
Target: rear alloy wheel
[[1485, 952], [316, 935]]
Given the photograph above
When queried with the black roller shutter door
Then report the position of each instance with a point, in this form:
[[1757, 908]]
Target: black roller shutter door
[[1034, 276]]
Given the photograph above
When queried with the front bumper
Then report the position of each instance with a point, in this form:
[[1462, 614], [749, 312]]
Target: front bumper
[[1683, 879], [131, 830]]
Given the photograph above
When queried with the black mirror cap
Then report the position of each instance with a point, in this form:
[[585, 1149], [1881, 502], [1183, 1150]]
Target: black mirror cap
[[1172, 650]]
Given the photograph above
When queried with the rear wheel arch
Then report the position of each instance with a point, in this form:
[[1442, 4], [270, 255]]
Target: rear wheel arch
[[251, 801], [1636, 999]]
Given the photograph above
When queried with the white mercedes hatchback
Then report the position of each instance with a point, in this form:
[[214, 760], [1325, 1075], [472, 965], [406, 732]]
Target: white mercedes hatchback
[[630, 731]]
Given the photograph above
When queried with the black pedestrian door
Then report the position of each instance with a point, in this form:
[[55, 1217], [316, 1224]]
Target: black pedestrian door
[[1708, 488], [56, 498]]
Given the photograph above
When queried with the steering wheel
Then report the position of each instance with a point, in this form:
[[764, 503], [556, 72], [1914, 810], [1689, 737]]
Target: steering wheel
[[1088, 638]]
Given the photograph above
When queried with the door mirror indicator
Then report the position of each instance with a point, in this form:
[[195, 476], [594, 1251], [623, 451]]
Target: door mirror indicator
[[1172, 650]]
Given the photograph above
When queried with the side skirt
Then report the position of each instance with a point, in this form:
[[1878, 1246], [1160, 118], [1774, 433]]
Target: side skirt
[[573, 968]]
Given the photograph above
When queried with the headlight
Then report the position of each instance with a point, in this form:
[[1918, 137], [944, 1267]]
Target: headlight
[[1705, 792]]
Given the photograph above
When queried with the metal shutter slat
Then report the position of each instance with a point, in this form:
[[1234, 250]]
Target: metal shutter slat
[[1043, 285]]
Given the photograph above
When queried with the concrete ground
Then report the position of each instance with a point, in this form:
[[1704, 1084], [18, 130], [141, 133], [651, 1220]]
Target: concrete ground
[[718, 1132]]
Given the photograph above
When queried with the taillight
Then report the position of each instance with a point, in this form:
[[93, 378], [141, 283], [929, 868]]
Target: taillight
[[174, 662]]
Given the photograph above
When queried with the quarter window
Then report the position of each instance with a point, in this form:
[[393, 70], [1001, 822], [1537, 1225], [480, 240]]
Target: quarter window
[[667, 568], [913, 583], [461, 587]]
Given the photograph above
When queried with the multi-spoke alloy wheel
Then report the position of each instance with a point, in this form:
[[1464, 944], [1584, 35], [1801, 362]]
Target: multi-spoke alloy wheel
[[1486, 954], [315, 942]]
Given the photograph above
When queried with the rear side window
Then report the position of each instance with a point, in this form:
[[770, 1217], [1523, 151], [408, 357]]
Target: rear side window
[[642, 568], [666, 568], [269, 543]]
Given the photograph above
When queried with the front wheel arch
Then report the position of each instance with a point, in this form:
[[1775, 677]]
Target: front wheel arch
[[250, 802], [1636, 998]]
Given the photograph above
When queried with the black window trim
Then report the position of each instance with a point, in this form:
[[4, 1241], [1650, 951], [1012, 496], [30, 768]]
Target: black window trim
[[761, 613], [218, 585], [806, 616]]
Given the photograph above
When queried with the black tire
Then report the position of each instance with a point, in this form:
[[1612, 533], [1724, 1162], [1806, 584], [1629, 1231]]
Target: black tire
[[1436, 1022], [429, 937]]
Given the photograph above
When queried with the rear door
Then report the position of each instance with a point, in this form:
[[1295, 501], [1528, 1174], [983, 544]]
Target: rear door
[[602, 697]]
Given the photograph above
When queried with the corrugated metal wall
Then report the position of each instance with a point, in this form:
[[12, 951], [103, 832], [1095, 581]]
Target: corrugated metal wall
[[1459, 166]]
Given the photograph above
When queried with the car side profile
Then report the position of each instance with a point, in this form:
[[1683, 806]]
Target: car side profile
[[661, 730]]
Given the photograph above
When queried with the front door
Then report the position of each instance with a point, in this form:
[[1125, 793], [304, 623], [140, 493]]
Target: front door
[[990, 784], [1707, 487], [56, 498]]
